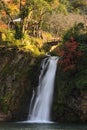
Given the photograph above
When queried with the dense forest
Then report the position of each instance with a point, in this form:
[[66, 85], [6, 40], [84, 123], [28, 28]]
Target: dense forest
[[29, 30]]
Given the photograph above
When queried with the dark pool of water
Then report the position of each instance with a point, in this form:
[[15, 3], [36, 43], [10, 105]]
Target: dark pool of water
[[54, 126]]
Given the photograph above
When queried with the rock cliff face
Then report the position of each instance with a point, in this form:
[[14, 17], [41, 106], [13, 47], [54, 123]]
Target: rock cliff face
[[70, 95], [70, 101], [16, 76], [84, 106]]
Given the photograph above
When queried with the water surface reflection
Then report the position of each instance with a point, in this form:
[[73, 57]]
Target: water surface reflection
[[30, 126]]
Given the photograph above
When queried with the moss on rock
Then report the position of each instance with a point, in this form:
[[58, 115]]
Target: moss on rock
[[68, 99], [16, 81]]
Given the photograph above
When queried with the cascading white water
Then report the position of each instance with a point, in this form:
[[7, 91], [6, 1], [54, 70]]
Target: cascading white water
[[40, 112]]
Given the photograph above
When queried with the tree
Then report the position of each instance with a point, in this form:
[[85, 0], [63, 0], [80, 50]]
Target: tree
[[79, 5], [70, 55], [37, 10], [30, 12]]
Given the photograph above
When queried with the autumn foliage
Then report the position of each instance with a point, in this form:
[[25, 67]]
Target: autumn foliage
[[3, 13], [70, 55]]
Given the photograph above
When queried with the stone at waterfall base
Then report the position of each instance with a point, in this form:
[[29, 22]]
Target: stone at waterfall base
[[5, 117]]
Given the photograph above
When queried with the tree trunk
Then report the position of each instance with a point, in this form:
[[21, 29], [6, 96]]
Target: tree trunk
[[0, 37]]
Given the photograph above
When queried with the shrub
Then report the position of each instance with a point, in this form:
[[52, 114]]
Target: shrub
[[70, 55], [78, 32]]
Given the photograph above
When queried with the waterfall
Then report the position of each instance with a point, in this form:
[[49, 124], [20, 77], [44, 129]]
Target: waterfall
[[41, 101]]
